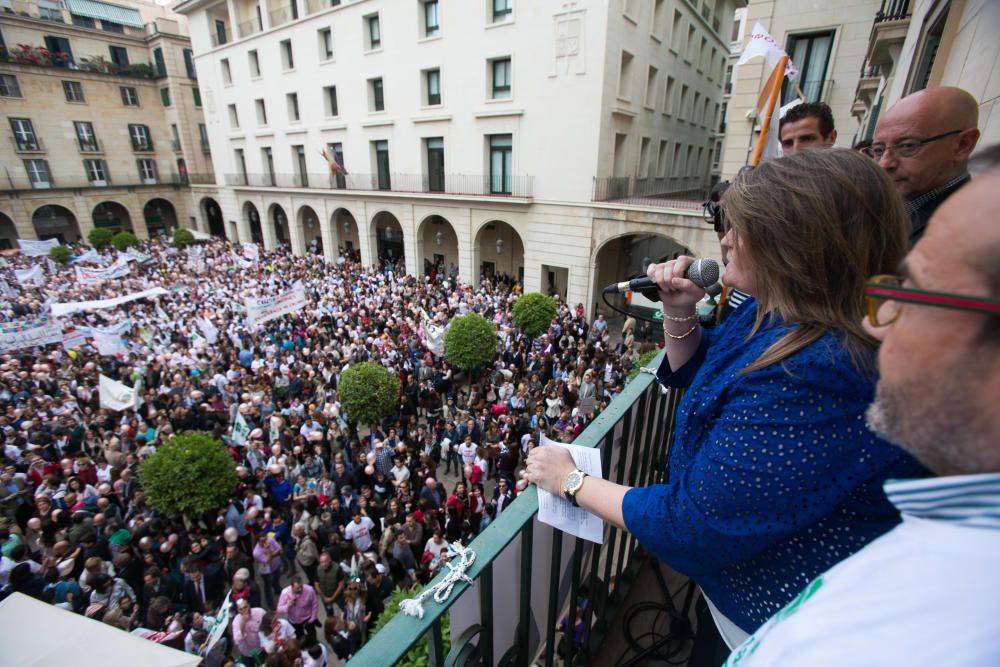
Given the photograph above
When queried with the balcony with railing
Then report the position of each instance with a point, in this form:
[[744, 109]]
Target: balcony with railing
[[888, 31], [527, 575], [249, 27], [284, 14], [28, 144], [313, 6], [14, 182], [666, 192], [517, 187]]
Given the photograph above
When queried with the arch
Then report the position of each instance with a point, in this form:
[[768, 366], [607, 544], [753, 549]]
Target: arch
[[160, 216], [626, 256], [387, 239], [498, 250], [56, 222], [253, 219], [437, 246], [113, 216], [308, 222], [347, 233], [211, 213], [279, 222], [8, 232]]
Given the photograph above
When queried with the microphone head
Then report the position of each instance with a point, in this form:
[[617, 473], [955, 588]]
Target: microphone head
[[703, 272]]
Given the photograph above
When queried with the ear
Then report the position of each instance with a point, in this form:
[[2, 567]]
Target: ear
[[833, 136], [966, 143]]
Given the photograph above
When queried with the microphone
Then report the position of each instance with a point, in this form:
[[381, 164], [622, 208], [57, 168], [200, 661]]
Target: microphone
[[703, 272]]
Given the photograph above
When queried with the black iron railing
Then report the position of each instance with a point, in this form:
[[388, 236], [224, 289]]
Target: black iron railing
[[893, 10]]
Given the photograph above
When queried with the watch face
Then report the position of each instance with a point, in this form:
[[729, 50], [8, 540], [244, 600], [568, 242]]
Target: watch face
[[573, 480]]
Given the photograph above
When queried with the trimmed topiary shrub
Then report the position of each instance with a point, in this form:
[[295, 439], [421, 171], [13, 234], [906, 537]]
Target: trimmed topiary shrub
[[533, 313], [368, 392], [100, 237], [183, 237], [122, 241], [190, 474], [60, 255]]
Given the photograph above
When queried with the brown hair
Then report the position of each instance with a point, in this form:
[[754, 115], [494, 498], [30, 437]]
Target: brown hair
[[815, 226]]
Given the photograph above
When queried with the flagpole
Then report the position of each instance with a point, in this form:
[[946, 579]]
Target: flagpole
[[775, 80]]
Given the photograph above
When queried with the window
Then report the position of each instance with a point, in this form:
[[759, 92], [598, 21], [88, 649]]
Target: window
[[111, 26], [722, 117], [659, 17], [73, 91], [220, 32], [435, 164], [24, 134], [147, 170], [196, 94], [97, 172], [675, 172], [141, 139], [650, 100], [728, 83], [227, 73], [432, 24], [695, 108], [38, 173], [501, 163], [433, 87], [377, 94], [83, 21], [325, 44], [330, 97], [189, 64], [203, 134], [503, 10], [85, 136], [661, 160], [677, 32], [501, 78], [625, 76], [668, 96], [261, 112], [643, 168], [8, 86], [159, 64], [130, 96], [254, 64], [737, 27], [336, 151], [689, 51], [382, 164], [175, 138], [292, 102], [62, 54], [119, 55], [374, 32], [682, 107], [287, 58], [241, 166], [268, 159], [810, 53], [234, 118], [301, 172], [165, 96]]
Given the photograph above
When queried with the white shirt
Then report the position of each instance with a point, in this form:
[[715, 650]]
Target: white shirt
[[360, 533], [468, 453], [924, 593]]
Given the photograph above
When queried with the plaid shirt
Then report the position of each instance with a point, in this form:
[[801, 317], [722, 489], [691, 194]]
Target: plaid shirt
[[918, 201]]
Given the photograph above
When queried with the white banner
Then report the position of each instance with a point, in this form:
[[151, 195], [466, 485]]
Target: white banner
[[92, 276], [434, 337], [241, 430], [113, 330], [762, 45], [108, 344], [74, 339], [7, 290], [116, 396], [53, 269], [209, 329], [60, 309], [36, 248], [268, 308], [90, 256], [32, 276], [29, 333], [251, 251]]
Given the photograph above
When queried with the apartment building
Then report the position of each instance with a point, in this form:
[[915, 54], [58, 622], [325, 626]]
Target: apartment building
[[827, 41], [492, 136], [104, 119], [914, 44]]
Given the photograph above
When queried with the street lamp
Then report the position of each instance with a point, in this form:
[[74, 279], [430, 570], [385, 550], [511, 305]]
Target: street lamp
[[499, 246], [439, 237]]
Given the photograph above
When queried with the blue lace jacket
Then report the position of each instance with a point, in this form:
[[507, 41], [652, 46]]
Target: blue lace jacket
[[772, 477]]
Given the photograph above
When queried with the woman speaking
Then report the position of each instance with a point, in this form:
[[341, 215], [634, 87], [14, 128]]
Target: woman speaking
[[772, 476]]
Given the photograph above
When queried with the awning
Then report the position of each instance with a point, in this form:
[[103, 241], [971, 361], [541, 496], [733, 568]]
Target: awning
[[105, 12]]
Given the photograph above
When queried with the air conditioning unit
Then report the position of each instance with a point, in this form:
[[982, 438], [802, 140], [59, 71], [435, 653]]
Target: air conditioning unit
[[99, 184], [149, 181]]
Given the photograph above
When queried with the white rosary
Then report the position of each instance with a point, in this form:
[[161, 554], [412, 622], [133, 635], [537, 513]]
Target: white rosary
[[441, 591]]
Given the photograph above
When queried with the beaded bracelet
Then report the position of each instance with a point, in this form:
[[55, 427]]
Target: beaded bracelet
[[683, 335], [680, 319]]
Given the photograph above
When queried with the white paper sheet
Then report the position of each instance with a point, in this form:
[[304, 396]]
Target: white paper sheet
[[557, 512]]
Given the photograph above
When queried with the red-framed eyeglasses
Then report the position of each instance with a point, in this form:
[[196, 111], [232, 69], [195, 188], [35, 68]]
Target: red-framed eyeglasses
[[885, 295]]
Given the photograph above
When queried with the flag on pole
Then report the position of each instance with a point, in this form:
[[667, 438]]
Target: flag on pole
[[768, 111], [336, 166], [241, 430], [761, 44], [117, 396]]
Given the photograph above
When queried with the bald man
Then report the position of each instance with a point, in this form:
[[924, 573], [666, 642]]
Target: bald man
[[923, 142]]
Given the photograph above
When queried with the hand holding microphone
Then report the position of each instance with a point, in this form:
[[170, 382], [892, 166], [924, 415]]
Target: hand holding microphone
[[681, 282]]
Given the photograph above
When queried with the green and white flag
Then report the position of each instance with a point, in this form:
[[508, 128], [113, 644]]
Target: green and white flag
[[241, 430]]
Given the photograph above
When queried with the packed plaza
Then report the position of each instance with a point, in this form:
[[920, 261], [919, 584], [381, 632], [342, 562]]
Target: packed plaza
[[325, 515]]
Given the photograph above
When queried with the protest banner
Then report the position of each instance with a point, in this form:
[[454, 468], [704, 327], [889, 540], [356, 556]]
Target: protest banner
[[90, 256], [32, 276], [92, 276], [265, 309], [60, 309], [29, 333], [37, 248], [241, 430], [108, 344], [74, 339]]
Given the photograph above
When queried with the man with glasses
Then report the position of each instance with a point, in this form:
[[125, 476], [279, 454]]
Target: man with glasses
[[926, 592], [923, 142]]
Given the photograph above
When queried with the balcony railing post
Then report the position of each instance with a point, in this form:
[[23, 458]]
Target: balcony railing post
[[551, 618], [522, 634], [486, 614]]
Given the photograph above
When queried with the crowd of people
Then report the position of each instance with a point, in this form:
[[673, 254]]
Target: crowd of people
[[328, 518]]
